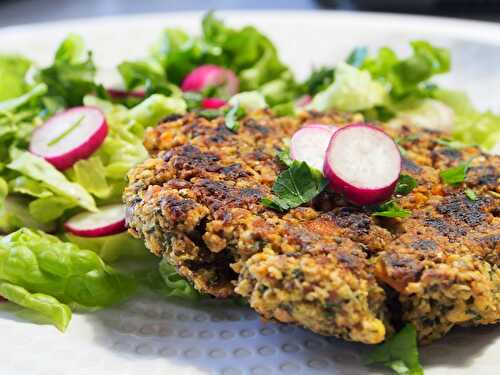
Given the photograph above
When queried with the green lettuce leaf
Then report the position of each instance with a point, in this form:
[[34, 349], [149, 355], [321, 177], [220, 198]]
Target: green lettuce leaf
[[352, 90], [38, 169], [256, 64], [14, 214], [111, 248], [249, 100], [56, 312], [405, 77], [41, 263], [471, 126], [91, 175], [48, 209], [13, 71], [28, 186], [179, 53], [168, 283], [153, 109], [71, 76]]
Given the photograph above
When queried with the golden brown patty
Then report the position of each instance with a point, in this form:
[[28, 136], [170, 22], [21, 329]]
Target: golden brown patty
[[329, 267]]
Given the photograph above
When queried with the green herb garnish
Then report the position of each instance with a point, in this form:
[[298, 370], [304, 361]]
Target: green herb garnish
[[455, 175], [400, 353], [405, 184], [285, 158], [232, 116], [390, 209], [297, 185], [471, 194]]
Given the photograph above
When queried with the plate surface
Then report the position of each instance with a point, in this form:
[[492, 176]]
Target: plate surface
[[155, 337]]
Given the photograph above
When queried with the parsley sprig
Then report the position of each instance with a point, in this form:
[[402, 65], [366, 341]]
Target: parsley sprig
[[456, 175], [297, 185], [405, 184], [232, 116], [390, 209], [400, 353]]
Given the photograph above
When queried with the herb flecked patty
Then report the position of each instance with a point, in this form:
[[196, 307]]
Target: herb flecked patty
[[328, 266]]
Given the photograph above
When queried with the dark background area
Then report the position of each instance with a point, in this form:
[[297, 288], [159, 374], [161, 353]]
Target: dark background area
[[13, 12]]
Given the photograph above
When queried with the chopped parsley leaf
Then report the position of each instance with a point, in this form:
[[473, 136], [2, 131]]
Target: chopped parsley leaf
[[471, 194], [405, 184], [232, 116], [297, 185], [400, 353], [455, 175], [390, 209]]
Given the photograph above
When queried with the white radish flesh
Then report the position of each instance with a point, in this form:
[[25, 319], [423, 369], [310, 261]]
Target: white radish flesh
[[206, 76], [363, 163], [309, 144], [109, 220], [69, 136]]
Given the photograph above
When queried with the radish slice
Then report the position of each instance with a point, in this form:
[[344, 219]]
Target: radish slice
[[363, 163], [309, 144], [206, 76], [69, 136], [109, 220], [213, 103]]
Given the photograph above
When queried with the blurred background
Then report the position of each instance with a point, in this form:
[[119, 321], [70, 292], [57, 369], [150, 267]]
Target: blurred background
[[14, 12]]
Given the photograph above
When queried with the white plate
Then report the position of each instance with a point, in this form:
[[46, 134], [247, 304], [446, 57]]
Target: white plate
[[152, 337]]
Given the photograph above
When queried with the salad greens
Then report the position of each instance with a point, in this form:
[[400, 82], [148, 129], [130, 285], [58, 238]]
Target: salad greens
[[34, 262]]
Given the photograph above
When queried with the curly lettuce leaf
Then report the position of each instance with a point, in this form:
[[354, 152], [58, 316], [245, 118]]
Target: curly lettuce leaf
[[407, 77], [41, 263], [91, 174], [352, 90], [49, 307], [256, 64], [13, 70], [40, 170], [471, 126], [71, 76], [179, 53]]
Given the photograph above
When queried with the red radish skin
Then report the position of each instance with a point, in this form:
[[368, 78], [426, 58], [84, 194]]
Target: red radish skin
[[213, 103], [206, 76], [121, 94], [309, 144], [109, 220], [363, 163], [78, 144]]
